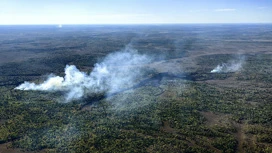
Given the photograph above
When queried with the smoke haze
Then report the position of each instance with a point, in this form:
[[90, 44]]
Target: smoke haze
[[231, 66], [117, 71]]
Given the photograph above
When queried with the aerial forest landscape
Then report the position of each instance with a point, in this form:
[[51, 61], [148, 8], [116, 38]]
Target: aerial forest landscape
[[142, 88]]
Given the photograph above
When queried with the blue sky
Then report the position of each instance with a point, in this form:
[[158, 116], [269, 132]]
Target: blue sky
[[134, 11]]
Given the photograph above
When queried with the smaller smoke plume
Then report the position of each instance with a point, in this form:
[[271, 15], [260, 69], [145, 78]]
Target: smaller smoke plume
[[118, 70], [231, 66]]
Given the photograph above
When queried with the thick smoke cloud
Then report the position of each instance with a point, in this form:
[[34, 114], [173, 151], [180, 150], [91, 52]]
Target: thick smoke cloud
[[117, 71], [231, 66]]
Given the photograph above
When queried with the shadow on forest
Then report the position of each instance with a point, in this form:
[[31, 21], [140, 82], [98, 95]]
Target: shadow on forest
[[154, 81]]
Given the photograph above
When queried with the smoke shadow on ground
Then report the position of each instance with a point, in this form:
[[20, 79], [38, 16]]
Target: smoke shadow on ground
[[154, 81]]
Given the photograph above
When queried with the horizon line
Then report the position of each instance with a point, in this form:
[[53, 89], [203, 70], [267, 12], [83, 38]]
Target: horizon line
[[135, 23]]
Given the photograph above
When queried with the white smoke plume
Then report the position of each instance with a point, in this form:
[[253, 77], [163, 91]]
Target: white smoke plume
[[117, 71], [231, 66]]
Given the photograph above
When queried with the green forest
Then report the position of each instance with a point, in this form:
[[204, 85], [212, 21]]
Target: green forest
[[202, 112]]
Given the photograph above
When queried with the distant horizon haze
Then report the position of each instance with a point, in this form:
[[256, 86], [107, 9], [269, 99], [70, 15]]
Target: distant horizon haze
[[60, 12]]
